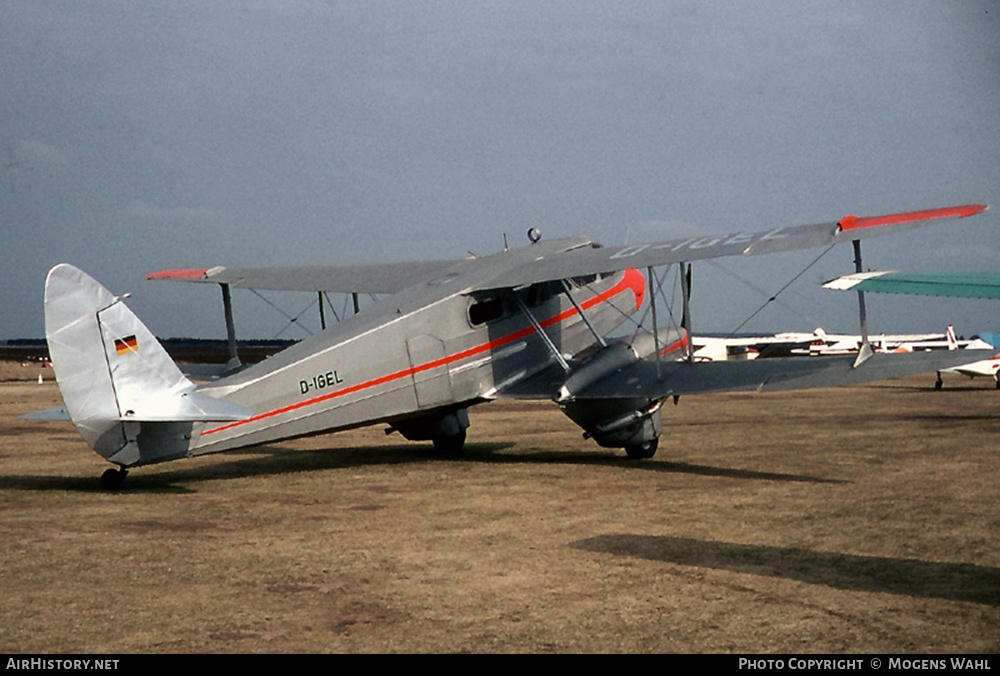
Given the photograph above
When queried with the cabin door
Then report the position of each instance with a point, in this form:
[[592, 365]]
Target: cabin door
[[431, 375]]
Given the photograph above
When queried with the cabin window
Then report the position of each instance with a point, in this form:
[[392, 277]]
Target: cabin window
[[536, 294], [485, 310], [585, 280]]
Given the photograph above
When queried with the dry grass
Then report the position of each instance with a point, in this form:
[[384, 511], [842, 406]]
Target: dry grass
[[12, 371], [854, 520]]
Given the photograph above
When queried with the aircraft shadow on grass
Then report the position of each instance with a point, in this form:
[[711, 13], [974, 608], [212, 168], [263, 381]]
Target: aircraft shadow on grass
[[271, 460], [244, 463], [906, 577]]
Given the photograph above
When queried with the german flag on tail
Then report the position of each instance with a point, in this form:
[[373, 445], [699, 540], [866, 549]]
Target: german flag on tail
[[126, 345]]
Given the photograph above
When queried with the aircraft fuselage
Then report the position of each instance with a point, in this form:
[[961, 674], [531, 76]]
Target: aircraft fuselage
[[433, 347]]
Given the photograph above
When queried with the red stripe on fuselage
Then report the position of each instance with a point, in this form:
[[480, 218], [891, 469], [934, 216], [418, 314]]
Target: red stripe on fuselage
[[633, 280]]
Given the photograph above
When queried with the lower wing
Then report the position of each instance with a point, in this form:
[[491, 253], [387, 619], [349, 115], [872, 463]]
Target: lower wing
[[649, 379]]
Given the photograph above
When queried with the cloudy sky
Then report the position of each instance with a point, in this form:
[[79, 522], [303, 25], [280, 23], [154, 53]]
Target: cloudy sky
[[139, 135]]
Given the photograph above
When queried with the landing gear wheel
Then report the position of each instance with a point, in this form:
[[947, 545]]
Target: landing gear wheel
[[113, 479], [642, 451], [938, 384], [450, 444]]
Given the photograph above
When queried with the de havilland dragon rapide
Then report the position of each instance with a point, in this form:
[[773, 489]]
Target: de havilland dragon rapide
[[526, 322]]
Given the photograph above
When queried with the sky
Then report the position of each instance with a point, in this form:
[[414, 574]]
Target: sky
[[137, 136]]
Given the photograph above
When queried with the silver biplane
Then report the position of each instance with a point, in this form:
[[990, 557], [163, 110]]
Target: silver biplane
[[528, 322]]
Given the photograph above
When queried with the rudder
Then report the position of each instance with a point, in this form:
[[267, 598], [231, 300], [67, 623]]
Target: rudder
[[125, 395]]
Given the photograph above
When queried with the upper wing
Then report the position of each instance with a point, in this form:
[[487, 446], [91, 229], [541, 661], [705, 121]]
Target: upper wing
[[360, 278], [550, 260], [958, 284], [590, 260]]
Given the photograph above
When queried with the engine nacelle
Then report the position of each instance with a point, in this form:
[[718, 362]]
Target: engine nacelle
[[632, 423], [596, 368], [615, 423], [616, 357]]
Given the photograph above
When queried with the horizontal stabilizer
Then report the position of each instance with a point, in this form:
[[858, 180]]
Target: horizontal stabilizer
[[58, 413], [190, 407], [646, 379]]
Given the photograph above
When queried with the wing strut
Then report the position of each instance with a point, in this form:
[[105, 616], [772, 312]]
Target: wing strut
[[865, 349], [686, 317], [579, 310], [227, 305], [653, 283], [541, 332]]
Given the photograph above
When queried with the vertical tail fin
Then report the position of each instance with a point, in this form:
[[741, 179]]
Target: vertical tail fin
[[127, 398], [952, 341]]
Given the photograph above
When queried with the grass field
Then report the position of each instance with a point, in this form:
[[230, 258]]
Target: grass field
[[860, 519]]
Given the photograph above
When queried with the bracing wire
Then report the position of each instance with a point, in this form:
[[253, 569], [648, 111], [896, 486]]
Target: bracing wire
[[329, 304], [291, 320], [774, 297]]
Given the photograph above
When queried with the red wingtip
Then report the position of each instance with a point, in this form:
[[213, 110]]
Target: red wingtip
[[852, 222], [177, 274]]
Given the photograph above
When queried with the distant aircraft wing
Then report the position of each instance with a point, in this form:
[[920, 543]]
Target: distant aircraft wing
[[359, 278], [956, 284], [649, 379], [584, 261]]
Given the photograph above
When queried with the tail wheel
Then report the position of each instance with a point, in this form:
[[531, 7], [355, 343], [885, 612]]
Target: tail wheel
[[642, 451], [112, 479]]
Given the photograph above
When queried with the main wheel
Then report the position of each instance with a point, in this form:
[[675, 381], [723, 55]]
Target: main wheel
[[450, 444], [642, 451], [112, 479]]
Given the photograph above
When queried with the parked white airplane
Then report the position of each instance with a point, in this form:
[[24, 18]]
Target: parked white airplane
[[820, 343], [985, 367]]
